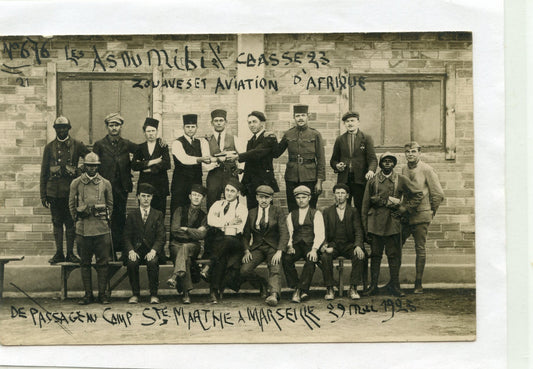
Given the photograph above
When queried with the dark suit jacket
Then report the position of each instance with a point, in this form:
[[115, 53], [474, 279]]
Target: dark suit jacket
[[110, 156], [353, 222], [258, 169], [157, 176], [276, 235], [147, 236], [363, 157]]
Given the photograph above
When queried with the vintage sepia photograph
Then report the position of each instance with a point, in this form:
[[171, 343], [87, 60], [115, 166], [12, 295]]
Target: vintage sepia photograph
[[237, 188]]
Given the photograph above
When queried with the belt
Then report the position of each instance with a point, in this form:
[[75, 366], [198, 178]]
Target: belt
[[301, 160]]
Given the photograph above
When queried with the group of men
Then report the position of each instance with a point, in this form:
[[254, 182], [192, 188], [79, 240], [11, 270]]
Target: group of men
[[242, 228]]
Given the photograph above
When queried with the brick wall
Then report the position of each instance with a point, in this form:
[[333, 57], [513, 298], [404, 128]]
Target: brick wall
[[26, 112]]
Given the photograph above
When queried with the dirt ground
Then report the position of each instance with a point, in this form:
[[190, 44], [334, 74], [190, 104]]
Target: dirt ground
[[437, 315]]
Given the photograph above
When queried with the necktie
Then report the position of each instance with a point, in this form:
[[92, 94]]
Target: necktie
[[226, 208], [145, 215], [262, 222], [352, 143], [253, 140], [218, 139]]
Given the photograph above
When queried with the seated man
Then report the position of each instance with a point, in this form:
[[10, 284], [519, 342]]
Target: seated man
[[267, 229], [144, 239], [306, 235], [189, 226], [344, 237], [227, 217]]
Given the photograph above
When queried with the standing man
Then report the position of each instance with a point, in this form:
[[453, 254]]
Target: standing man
[[424, 177], [388, 197], [306, 235], [91, 204], [144, 238], [258, 169], [306, 164], [187, 153], [153, 160], [189, 226], [267, 229], [227, 218], [220, 145], [114, 152], [59, 167], [344, 237], [354, 158]]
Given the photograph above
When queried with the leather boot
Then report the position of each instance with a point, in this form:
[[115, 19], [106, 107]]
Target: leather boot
[[394, 268], [375, 265], [420, 264], [71, 235], [418, 287], [86, 278], [102, 284], [296, 296], [59, 256], [213, 296]]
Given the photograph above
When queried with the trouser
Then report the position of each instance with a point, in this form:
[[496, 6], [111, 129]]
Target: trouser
[[419, 232], [357, 191], [291, 275], [215, 182], [291, 200], [183, 255], [118, 219], [347, 251], [160, 203], [391, 244], [152, 268], [61, 215], [248, 273], [100, 247], [226, 259]]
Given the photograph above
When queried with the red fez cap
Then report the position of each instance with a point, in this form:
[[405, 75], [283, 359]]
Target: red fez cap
[[300, 109], [151, 122], [218, 113], [190, 119]]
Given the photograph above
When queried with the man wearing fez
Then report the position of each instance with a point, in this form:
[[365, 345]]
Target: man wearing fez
[[187, 153], [227, 218], [266, 228], [91, 204], [144, 240], [424, 176], [223, 168], [306, 164], [354, 158], [388, 197], [306, 236], [152, 160], [114, 152], [189, 226], [59, 167], [344, 237], [258, 169]]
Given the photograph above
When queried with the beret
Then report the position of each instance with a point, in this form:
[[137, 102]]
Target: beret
[[350, 114], [62, 121], [218, 113], [259, 115], [234, 182], [341, 186], [145, 188], [190, 119], [265, 190], [151, 122], [114, 117], [302, 190], [199, 189], [300, 109]]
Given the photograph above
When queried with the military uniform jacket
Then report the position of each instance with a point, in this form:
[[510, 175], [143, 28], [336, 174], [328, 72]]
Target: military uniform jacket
[[89, 192], [258, 157], [57, 155], [380, 219], [157, 175], [353, 225], [362, 159], [424, 177], [116, 164], [276, 235], [306, 155], [140, 236]]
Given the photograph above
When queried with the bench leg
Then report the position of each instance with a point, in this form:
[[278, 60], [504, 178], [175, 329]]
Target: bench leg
[[1, 279], [341, 279]]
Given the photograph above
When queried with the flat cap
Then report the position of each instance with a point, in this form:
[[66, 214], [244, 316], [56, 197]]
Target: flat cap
[[91, 159], [300, 109], [199, 189], [145, 188], [114, 118], [62, 121], [190, 119], [341, 186], [151, 122], [302, 190], [218, 113], [412, 145], [259, 115], [387, 155], [234, 182], [264, 190], [350, 114]]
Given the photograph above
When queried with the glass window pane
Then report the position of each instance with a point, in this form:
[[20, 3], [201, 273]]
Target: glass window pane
[[397, 113], [75, 106], [134, 107], [368, 104], [427, 112], [105, 101]]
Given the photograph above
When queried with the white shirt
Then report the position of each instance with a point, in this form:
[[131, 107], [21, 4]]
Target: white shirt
[[179, 152], [340, 212], [217, 218], [260, 211], [151, 147], [318, 227], [143, 211]]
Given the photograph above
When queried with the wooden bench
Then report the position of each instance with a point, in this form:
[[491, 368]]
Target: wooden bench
[[3, 261], [67, 268]]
